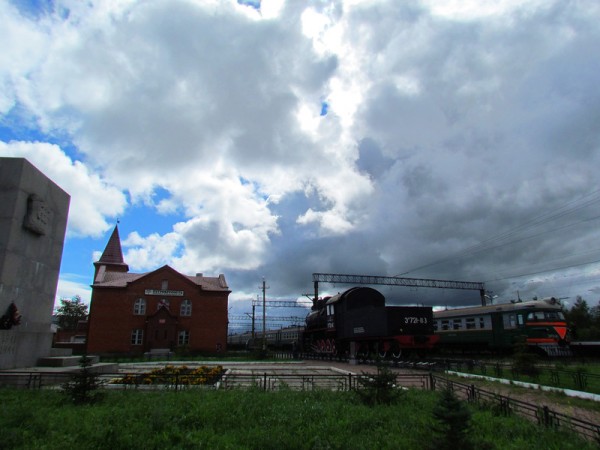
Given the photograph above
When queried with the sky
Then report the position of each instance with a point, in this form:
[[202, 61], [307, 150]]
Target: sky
[[455, 140]]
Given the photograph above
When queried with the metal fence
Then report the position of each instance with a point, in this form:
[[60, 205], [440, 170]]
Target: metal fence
[[272, 381], [577, 379], [505, 405]]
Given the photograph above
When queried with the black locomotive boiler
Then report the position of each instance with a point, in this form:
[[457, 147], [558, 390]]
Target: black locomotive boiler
[[358, 322]]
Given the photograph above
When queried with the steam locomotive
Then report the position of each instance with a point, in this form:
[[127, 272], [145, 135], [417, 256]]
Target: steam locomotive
[[357, 322]]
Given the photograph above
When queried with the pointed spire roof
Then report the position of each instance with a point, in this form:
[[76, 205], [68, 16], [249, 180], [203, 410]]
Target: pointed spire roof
[[112, 253], [112, 257]]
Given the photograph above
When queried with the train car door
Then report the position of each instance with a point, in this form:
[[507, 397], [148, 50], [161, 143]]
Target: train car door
[[497, 330]]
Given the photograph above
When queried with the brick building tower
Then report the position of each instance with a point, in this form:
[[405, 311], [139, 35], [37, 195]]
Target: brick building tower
[[134, 313]]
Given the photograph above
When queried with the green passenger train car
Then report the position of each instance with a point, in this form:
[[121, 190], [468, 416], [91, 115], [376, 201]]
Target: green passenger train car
[[538, 323]]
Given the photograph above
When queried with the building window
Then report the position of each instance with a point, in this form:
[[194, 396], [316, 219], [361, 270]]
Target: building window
[[164, 302], [137, 337], [184, 337], [186, 308], [164, 285], [139, 307]]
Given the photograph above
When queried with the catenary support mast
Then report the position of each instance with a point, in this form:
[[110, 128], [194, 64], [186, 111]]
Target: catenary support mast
[[395, 281]]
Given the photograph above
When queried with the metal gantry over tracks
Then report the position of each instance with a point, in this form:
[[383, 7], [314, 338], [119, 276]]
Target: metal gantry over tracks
[[395, 281]]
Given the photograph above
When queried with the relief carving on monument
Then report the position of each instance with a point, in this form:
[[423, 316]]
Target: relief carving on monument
[[39, 215]]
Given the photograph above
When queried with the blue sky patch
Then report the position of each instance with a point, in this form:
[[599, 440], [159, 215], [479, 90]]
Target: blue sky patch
[[252, 3]]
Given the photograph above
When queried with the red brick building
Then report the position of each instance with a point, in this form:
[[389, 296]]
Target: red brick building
[[163, 309]]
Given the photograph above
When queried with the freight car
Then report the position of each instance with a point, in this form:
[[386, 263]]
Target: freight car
[[357, 322], [540, 324]]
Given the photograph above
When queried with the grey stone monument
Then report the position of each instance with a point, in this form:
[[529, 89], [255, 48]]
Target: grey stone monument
[[33, 221]]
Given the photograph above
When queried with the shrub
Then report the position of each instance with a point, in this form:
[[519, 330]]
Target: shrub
[[525, 362], [379, 388]]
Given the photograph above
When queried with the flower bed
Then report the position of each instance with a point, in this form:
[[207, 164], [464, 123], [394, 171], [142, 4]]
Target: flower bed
[[174, 375]]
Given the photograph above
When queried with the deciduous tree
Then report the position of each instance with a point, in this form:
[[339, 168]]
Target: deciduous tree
[[71, 312]]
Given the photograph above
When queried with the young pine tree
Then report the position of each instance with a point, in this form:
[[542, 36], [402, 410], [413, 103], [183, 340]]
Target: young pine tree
[[453, 422], [83, 386]]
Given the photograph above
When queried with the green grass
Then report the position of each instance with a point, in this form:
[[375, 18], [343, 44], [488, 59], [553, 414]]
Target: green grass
[[248, 420], [560, 375]]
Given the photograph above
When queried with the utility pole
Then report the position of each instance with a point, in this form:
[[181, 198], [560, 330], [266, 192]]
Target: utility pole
[[253, 308], [264, 291]]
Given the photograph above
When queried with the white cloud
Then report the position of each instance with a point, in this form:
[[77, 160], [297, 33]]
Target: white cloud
[[68, 287], [448, 122], [93, 199]]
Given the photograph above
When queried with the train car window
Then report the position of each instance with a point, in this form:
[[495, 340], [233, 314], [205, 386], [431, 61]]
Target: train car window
[[510, 321], [485, 322], [435, 325], [457, 324], [554, 315], [520, 319], [445, 325], [534, 316], [470, 323]]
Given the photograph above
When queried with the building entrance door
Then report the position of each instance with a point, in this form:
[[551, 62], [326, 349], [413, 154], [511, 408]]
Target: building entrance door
[[161, 330]]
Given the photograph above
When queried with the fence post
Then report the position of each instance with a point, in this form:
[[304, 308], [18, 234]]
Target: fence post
[[431, 381], [581, 379], [547, 420], [349, 381], [471, 396], [265, 381]]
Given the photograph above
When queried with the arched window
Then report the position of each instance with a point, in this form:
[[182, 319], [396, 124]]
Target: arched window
[[139, 307], [186, 308]]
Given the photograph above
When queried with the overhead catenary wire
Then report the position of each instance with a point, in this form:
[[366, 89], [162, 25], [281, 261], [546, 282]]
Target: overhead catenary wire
[[511, 237]]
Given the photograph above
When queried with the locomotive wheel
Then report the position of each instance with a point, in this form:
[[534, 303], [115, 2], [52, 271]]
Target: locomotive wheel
[[397, 354], [382, 354]]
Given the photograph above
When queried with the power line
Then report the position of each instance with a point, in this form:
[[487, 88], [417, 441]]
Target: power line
[[502, 239], [545, 271]]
